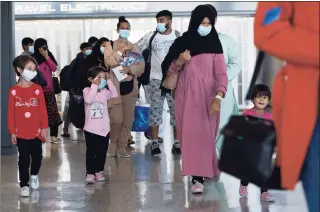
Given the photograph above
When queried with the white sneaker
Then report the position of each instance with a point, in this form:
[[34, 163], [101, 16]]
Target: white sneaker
[[197, 188], [25, 192], [35, 182], [55, 140]]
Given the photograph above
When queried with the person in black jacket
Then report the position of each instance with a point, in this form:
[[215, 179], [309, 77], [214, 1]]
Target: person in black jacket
[[78, 74]]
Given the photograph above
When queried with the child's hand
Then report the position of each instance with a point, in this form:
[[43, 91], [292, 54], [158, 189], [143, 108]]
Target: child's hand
[[97, 81], [107, 75], [13, 139], [44, 133]]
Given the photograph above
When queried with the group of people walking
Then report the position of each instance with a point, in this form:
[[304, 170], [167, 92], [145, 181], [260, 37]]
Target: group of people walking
[[205, 61]]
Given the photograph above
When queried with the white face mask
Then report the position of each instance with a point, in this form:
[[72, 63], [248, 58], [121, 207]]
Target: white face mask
[[88, 52], [28, 75], [102, 49], [31, 49]]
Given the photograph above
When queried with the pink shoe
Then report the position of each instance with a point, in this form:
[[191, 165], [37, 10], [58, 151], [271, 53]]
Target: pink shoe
[[90, 179], [100, 176], [243, 191], [265, 196], [197, 188]]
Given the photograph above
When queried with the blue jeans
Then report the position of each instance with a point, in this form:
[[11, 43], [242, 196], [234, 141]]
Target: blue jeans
[[310, 171]]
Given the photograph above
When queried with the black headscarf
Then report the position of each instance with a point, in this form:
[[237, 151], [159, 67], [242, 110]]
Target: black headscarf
[[40, 42], [192, 41], [96, 57]]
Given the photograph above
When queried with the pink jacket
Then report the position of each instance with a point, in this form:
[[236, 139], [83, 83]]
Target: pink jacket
[[96, 108], [47, 68]]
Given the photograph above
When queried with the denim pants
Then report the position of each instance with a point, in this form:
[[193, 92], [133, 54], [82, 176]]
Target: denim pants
[[310, 171]]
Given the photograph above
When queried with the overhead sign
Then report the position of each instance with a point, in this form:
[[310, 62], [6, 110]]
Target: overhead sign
[[78, 8], [23, 8]]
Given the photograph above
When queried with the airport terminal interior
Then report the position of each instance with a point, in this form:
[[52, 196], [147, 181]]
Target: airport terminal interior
[[142, 183]]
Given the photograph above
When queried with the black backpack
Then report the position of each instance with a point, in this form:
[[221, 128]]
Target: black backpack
[[144, 79], [65, 83]]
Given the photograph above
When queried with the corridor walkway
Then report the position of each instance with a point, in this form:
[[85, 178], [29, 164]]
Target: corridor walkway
[[141, 184]]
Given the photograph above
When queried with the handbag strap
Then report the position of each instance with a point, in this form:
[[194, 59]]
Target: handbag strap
[[257, 70], [150, 44]]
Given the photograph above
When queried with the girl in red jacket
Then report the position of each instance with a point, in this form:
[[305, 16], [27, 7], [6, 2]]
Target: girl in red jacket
[[27, 121]]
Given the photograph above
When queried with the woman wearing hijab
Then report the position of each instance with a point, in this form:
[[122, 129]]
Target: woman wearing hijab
[[198, 58], [126, 56], [47, 66], [96, 57]]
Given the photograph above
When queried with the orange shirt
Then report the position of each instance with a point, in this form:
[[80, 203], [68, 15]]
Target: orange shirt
[[290, 32], [27, 113]]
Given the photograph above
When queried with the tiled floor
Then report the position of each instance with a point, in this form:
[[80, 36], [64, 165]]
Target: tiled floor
[[140, 184]]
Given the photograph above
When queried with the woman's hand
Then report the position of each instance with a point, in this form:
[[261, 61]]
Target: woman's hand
[[108, 47], [44, 53], [44, 133], [183, 58], [13, 138], [126, 70], [215, 107]]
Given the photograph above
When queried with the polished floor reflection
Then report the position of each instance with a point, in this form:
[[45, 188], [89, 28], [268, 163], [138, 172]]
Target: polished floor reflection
[[140, 184]]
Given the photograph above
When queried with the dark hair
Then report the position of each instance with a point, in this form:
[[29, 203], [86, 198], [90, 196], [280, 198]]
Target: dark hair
[[96, 47], [39, 43], [25, 41], [213, 10], [261, 90], [94, 71], [85, 45], [166, 13], [92, 40], [122, 19], [21, 61]]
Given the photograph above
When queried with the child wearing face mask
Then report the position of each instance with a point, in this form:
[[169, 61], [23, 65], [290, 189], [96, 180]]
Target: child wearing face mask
[[97, 122], [261, 97], [27, 121]]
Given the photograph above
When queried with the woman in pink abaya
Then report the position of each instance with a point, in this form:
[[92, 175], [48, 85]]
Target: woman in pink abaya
[[198, 57]]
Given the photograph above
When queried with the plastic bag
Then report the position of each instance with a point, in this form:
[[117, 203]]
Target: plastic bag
[[141, 117]]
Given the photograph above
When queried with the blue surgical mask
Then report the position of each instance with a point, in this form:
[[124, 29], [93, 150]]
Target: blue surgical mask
[[103, 84], [102, 49], [161, 27], [124, 33], [88, 52], [31, 49], [204, 31]]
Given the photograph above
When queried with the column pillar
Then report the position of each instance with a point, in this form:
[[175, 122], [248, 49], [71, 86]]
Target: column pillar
[[7, 75]]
